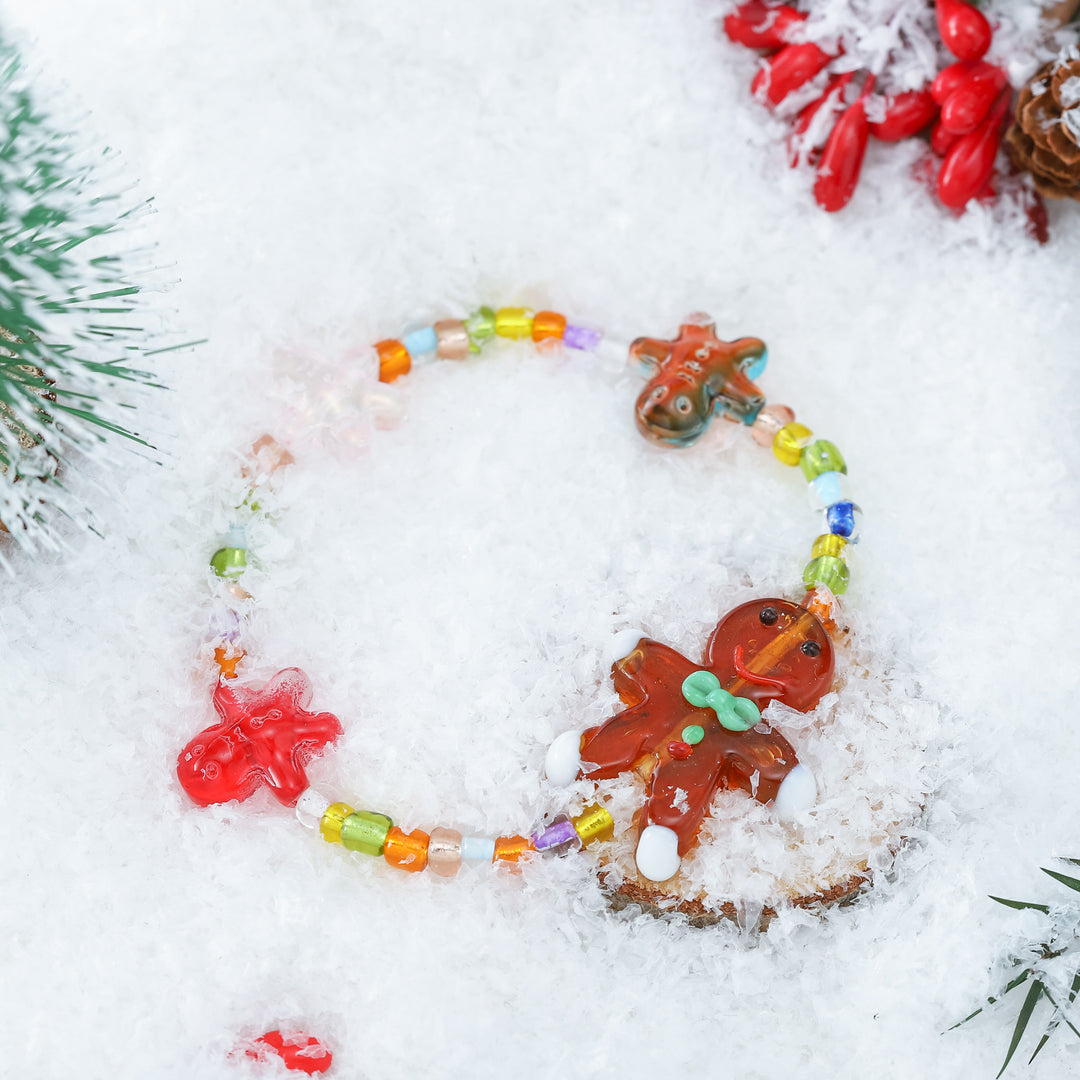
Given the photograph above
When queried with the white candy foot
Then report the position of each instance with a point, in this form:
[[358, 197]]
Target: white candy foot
[[657, 854], [563, 761], [797, 793], [624, 643]]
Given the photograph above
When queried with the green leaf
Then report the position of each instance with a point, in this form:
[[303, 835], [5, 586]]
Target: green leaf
[[1021, 905], [1073, 883], [1022, 1020], [1012, 985]]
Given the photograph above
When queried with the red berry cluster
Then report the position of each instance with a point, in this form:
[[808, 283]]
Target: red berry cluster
[[968, 100]]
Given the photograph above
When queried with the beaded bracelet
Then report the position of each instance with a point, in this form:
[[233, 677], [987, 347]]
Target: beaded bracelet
[[688, 730]]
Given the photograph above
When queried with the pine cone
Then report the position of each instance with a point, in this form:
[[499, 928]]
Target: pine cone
[[1044, 138]]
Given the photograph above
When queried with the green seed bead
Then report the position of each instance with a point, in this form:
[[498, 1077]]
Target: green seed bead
[[829, 571], [789, 442], [229, 561], [821, 457], [693, 734], [480, 326], [829, 544], [366, 831]]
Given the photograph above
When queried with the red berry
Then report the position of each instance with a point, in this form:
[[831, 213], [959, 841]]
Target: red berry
[[762, 26], [967, 106], [969, 163], [948, 80], [841, 162], [905, 114], [963, 29], [789, 69]]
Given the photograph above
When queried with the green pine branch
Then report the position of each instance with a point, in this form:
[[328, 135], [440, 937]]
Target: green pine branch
[[1062, 940], [75, 353]]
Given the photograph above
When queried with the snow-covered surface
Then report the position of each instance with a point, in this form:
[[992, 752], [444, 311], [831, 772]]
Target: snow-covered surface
[[329, 173]]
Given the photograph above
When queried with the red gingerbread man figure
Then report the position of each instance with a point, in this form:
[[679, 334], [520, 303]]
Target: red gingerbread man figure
[[264, 736], [692, 730]]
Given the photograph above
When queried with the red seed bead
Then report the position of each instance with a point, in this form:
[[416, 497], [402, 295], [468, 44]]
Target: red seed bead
[[394, 359]]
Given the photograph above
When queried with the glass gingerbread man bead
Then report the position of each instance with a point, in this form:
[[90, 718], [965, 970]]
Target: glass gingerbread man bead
[[695, 377], [264, 737], [690, 730]]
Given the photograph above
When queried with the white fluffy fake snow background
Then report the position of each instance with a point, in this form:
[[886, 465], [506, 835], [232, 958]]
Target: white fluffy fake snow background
[[328, 173]]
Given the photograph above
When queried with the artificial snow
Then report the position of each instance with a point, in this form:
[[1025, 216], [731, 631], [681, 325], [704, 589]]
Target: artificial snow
[[328, 174]]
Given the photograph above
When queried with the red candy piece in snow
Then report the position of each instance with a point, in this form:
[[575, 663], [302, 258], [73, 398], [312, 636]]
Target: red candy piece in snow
[[797, 139], [966, 107], [905, 114], [264, 737], [949, 79], [969, 163], [300, 1052], [964, 30], [942, 140], [766, 650], [790, 68], [841, 162], [762, 26]]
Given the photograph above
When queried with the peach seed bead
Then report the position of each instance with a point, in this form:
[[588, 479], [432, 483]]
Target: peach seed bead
[[444, 852], [769, 421], [452, 338]]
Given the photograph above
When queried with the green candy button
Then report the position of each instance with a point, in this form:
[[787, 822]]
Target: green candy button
[[693, 734], [702, 689]]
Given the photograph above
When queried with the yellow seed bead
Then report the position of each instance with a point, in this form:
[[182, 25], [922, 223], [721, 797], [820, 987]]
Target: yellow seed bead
[[789, 441], [829, 544], [594, 823], [513, 322], [330, 826]]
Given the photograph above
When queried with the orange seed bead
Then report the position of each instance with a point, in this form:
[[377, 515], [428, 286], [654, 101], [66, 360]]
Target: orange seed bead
[[227, 660], [394, 359], [406, 851], [512, 848], [548, 324]]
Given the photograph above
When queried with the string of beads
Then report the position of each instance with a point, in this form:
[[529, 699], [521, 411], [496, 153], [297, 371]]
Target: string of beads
[[681, 368]]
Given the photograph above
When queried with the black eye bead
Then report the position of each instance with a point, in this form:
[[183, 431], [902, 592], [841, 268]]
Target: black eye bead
[[768, 616], [810, 648]]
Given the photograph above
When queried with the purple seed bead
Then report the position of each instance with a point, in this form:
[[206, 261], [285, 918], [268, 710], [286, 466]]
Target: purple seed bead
[[555, 835], [581, 337], [226, 624]]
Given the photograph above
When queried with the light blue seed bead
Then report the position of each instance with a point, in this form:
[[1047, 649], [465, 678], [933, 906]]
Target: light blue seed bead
[[236, 536], [421, 341], [757, 367], [477, 848], [828, 488]]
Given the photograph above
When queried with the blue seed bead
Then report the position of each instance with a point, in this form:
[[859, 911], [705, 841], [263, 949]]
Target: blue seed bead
[[827, 489], [757, 368], [478, 848], [843, 519], [421, 341]]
